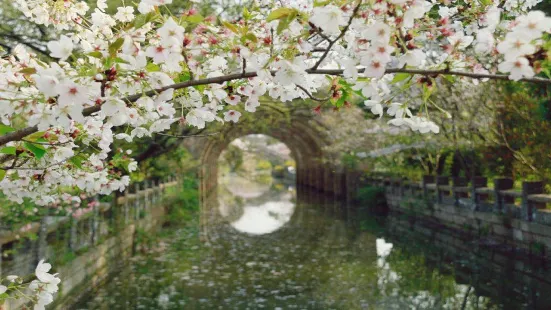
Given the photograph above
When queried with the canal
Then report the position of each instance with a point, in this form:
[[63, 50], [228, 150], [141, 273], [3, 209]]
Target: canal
[[263, 246]]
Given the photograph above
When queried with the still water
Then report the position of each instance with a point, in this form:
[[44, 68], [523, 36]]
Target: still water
[[262, 246]]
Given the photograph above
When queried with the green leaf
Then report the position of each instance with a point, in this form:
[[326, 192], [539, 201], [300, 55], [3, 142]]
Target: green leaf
[[36, 136], [427, 92], [284, 23], [115, 46], [10, 150], [38, 150], [400, 77], [195, 19], [231, 27], [251, 37], [77, 161], [2, 176], [279, 14], [95, 54], [5, 129], [28, 71], [246, 14], [183, 77], [120, 60], [151, 67], [449, 78], [143, 19], [321, 3]]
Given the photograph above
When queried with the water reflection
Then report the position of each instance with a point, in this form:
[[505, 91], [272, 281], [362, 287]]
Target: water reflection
[[255, 208], [302, 254]]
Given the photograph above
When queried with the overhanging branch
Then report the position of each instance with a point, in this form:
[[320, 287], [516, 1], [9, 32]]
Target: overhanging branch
[[21, 133]]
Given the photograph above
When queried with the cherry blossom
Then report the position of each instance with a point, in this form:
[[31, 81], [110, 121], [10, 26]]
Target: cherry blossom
[[144, 74], [125, 14], [61, 49], [232, 116], [328, 18], [519, 68]]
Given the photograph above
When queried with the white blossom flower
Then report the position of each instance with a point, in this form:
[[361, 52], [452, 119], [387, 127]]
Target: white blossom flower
[[133, 166], [516, 44], [113, 106], [233, 99], [519, 68], [378, 32], [171, 29], [232, 116], [71, 93], [484, 41], [125, 13], [533, 24], [375, 106], [62, 49], [417, 9], [412, 58], [375, 67], [328, 18], [100, 4], [460, 40]]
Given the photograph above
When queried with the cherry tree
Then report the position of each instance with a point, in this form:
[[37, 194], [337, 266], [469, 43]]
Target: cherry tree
[[143, 69]]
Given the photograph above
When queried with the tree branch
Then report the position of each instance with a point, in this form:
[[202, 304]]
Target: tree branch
[[21, 133], [187, 136]]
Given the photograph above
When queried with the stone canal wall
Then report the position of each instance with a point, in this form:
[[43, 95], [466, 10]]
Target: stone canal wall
[[85, 249], [500, 217], [472, 264]]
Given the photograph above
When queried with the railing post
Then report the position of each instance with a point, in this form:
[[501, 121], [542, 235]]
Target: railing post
[[459, 182], [1, 255], [441, 180], [146, 201], [126, 205], [136, 205], [501, 184], [351, 179], [530, 188], [477, 182], [73, 235], [427, 179], [94, 220], [387, 184], [401, 187], [42, 242]]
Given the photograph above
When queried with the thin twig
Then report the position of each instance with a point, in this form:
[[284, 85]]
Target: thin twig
[[312, 96], [46, 143], [332, 42], [191, 77], [187, 136]]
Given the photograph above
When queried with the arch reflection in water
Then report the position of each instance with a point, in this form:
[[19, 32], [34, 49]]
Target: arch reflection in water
[[254, 194], [255, 208], [264, 218]]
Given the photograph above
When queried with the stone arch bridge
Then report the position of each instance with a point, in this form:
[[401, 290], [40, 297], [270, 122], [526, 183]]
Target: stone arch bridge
[[297, 127]]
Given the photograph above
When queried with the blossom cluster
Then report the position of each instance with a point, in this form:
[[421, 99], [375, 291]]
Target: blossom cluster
[[40, 291], [140, 72], [522, 43]]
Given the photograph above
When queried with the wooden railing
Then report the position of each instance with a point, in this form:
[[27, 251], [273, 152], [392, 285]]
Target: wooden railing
[[529, 203], [57, 236]]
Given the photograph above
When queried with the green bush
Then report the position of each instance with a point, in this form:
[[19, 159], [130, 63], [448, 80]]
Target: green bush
[[373, 199], [183, 202]]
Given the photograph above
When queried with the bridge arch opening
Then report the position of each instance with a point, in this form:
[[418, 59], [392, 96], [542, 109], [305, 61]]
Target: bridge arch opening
[[256, 184], [298, 129]]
